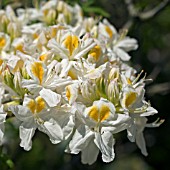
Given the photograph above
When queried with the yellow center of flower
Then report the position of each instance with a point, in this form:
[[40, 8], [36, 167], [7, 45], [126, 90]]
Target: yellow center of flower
[[109, 31], [38, 71], [36, 105], [130, 98], [2, 42], [95, 52], [71, 43], [99, 114]]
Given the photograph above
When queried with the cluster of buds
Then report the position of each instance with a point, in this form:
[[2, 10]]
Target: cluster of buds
[[67, 76]]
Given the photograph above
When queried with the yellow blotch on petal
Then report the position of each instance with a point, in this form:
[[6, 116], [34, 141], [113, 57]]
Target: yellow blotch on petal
[[18, 66], [45, 12], [2, 42], [104, 112], [68, 93], [95, 52], [36, 105], [99, 114], [72, 75], [40, 104], [94, 113], [32, 105], [71, 43], [129, 81], [54, 30], [109, 31], [19, 47], [1, 61], [35, 35], [43, 57], [38, 71], [130, 98]]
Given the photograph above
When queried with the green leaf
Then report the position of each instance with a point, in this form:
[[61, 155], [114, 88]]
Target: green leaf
[[10, 163]]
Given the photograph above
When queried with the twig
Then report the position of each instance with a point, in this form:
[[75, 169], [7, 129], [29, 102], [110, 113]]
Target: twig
[[151, 13], [134, 13], [162, 88]]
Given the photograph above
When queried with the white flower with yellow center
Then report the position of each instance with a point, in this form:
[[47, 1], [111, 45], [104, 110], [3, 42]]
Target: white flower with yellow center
[[69, 46], [95, 132], [44, 80], [34, 114], [118, 44], [138, 109]]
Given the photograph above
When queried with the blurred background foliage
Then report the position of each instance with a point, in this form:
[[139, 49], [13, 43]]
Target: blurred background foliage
[[149, 23]]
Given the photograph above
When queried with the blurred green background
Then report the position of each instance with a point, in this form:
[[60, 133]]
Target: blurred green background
[[153, 56]]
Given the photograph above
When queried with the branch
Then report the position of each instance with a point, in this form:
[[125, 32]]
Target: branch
[[134, 13], [151, 13], [162, 88]]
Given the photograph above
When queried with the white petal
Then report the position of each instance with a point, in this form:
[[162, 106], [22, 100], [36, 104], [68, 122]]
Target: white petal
[[21, 112], [150, 111], [140, 141], [122, 54], [84, 51], [50, 97], [105, 142], [128, 44], [131, 132], [67, 125], [80, 140], [90, 153], [140, 124], [65, 119], [54, 131], [96, 73], [2, 120], [1, 132], [120, 119], [26, 135], [2, 117], [56, 48], [31, 85]]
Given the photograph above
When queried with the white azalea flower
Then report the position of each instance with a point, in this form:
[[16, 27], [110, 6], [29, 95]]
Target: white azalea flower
[[44, 81], [35, 114], [69, 46], [117, 44], [133, 102], [96, 133]]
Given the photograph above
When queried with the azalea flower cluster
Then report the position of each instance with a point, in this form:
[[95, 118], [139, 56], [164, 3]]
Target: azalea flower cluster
[[67, 76]]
